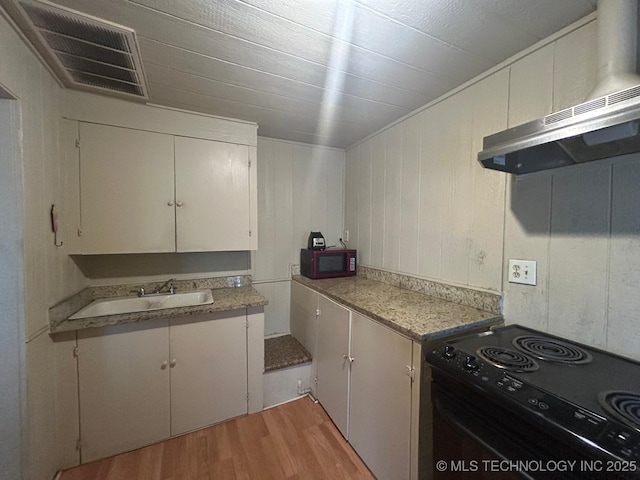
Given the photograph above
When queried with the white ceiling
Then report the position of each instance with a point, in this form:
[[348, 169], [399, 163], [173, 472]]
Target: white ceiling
[[325, 72]]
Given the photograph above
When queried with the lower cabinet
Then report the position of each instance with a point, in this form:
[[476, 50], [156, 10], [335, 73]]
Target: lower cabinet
[[380, 400], [145, 382], [123, 378], [208, 371], [332, 365], [364, 380]]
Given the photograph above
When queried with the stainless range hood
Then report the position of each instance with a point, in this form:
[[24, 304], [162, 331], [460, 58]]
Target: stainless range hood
[[606, 125]]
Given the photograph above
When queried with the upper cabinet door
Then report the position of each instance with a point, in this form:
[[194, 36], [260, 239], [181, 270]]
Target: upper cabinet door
[[127, 196], [213, 201]]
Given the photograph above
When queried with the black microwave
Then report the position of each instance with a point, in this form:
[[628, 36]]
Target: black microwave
[[327, 263]]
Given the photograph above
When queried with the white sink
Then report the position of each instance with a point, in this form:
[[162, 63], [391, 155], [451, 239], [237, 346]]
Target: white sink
[[117, 305]]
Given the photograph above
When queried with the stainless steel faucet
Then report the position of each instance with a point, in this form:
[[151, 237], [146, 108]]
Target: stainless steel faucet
[[172, 288]]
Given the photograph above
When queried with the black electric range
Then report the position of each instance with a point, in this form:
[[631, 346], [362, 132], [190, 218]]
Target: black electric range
[[513, 394]]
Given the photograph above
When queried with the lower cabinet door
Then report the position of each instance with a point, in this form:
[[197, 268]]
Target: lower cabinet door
[[332, 353], [380, 408], [208, 369], [124, 387]]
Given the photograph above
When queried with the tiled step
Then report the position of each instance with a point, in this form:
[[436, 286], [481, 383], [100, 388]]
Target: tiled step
[[282, 352]]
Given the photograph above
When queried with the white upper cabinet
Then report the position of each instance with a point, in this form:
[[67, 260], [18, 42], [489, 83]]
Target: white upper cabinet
[[126, 190], [146, 192], [212, 196]]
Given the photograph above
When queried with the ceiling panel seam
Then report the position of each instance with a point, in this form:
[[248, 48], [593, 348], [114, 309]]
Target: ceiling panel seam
[[420, 32], [333, 38], [346, 122], [293, 99], [280, 76]]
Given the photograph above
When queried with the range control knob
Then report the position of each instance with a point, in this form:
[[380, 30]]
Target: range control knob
[[449, 352], [471, 363]]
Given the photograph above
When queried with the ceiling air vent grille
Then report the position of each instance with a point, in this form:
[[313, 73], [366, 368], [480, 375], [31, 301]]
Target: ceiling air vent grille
[[86, 51]]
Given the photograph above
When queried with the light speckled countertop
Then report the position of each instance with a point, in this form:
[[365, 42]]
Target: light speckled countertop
[[418, 316], [224, 299]]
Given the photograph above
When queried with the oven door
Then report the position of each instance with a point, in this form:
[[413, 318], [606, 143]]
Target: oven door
[[475, 438]]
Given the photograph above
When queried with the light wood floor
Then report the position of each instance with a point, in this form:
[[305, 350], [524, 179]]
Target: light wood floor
[[293, 441]]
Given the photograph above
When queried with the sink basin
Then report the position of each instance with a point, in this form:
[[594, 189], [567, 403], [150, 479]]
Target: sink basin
[[117, 305]]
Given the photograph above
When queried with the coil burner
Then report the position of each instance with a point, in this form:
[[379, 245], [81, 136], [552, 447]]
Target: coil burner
[[623, 406], [551, 350], [507, 359]]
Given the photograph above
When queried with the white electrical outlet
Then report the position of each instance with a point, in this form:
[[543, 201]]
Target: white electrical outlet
[[345, 236], [522, 271]]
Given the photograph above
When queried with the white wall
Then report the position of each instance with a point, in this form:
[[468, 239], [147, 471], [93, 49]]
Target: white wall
[[300, 189], [49, 274], [11, 267], [417, 202], [581, 223]]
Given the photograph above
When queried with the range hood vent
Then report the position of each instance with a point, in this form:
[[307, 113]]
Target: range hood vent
[[602, 127], [85, 52]]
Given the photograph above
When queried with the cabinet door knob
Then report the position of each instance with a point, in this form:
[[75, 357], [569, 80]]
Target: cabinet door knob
[[170, 203], [179, 204], [173, 362], [164, 365]]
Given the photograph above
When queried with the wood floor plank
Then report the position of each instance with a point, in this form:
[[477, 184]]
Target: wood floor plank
[[294, 441]]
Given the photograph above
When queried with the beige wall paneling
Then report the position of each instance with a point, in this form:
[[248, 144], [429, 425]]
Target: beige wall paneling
[[531, 86], [579, 253], [212, 196], [456, 132], [318, 179], [36, 112], [363, 186], [409, 196], [435, 186], [123, 375], [255, 358], [310, 190], [12, 381], [275, 212], [111, 111], [121, 213], [380, 398], [623, 334], [334, 163], [304, 218], [277, 311], [378, 161], [392, 197], [489, 115], [300, 188], [352, 196], [52, 380], [208, 364], [528, 207], [574, 67], [332, 390], [527, 230], [271, 262]]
